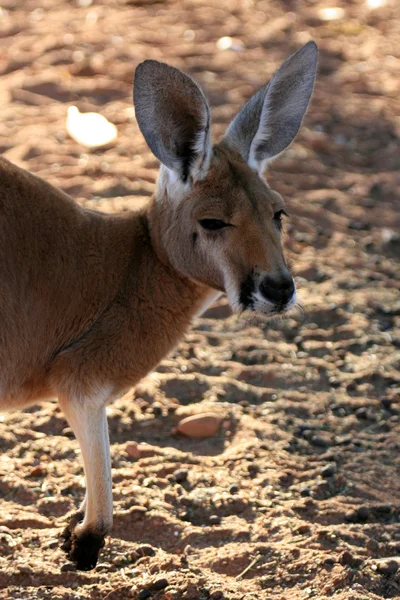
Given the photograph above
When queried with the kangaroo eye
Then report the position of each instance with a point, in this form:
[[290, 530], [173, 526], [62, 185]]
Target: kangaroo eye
[[213, 224], [278, 217]]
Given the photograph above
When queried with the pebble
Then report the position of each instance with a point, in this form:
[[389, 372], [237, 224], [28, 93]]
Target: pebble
[[103, 566], [363, 513], [69, 566], [328, 470], [217, 595], [321, 442], [180, 475], [234, 489], [38, 471], [347, 558], [135, 450], [372, 545], [214, 520], [137, 512], [388, 566], [144, 594], [382, 509], [132, 450], [25, 569], [351, 516], [199, 426], [159, 584], [157, 409], [146, 550]]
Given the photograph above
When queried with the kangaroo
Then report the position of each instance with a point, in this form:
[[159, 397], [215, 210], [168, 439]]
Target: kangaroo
[[91, 302]]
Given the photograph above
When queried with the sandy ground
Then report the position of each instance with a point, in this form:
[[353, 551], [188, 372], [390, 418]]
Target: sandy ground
[[298, 496]]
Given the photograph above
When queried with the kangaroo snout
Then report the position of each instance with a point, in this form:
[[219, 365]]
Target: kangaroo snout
[[278, 290]]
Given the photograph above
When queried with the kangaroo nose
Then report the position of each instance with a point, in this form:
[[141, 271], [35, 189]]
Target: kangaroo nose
[[279, 290]]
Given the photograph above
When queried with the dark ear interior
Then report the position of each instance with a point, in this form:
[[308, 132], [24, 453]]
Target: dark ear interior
[[172, 114], [270, 120]]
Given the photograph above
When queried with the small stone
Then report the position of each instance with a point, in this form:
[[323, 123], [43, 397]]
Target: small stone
[[103, 566], [180, 475], [157, 409], [383, 509], [69, 566], [217, 595], [234, 489], [199, 426], [363, 513], [159, 584], [387, 566], [144, 594], [253, 470], [328, 470], [329, 561], [351, 516], [372, 546], [321, 442], [38, 471], [132, 450], [302, 530], [214, 520], [362, 412], [146, 550], [137, 512], [25, 569], [346, 558]]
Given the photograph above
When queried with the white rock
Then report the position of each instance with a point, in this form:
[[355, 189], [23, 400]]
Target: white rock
[[90, 129]]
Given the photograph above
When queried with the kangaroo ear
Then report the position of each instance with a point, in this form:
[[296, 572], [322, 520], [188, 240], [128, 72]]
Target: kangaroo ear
[[270, 120], [174, 118]]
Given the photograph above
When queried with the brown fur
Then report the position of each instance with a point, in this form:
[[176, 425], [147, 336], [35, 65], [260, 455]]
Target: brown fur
[[90, 302]]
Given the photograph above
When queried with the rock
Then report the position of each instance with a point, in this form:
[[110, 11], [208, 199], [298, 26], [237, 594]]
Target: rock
[[90, 129], [157, 409], [382, 509], [320, 441], [214, 520], [363, 513], [372, 546], [234, 489], [388, 566], [132, 450], [159, 584], [217, 595], [199, 426], [180, 475], [66, 567], [144, 594], [351, 516], [137, 512], [346, 558], [103, 567], [328, 470], [135, 450], [38, 471], [146, 550]]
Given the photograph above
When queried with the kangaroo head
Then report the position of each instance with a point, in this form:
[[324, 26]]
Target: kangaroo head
[[214, 217]]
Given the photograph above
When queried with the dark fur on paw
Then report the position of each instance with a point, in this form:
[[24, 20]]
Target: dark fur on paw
[[82, 549], [66, 536]]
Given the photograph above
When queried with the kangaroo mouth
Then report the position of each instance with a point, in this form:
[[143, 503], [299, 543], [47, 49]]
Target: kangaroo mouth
[[246, 293]]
